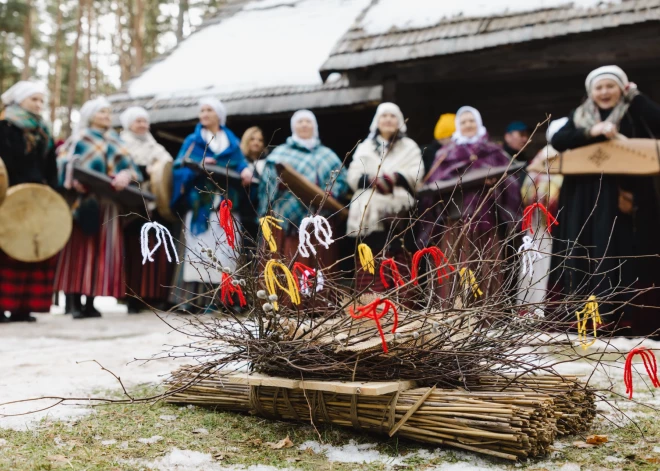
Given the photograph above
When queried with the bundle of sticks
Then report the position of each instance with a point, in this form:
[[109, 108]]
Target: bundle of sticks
[[509, 424]]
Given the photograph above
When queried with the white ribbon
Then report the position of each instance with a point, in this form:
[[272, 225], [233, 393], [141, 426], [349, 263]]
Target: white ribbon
[[322, 231], [530, 254], [304, 285], [162, 237]]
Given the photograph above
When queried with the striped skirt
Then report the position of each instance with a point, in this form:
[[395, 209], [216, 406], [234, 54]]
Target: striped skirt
[[152, 280], [26, 287], [94, 265]]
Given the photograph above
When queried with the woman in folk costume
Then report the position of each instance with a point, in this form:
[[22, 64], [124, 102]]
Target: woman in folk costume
[[92, 263], [27, 149], [320, 165], [150, 281], [195, 196], [383, 174], [611, 216], [471, 149], [254, 149], [539, 186]]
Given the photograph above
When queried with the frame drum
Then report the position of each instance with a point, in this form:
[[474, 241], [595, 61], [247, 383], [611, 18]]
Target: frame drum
[[161, 187], [35, 223], [4, 181]]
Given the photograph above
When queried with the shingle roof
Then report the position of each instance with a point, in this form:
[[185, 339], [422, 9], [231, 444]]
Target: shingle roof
[[359, 48]]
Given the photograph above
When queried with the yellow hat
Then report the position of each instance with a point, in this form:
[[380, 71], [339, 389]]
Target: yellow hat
[[445, 127]]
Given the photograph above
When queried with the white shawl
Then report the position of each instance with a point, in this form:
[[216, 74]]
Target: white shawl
[[368, 207], [144, 150]]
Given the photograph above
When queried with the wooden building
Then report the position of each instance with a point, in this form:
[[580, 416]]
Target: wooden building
[[513, 60], [511, 66]]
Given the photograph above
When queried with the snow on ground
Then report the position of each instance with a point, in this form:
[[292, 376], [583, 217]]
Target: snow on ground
[[187, 460], [387, 15], [269, 43], [52, 357]]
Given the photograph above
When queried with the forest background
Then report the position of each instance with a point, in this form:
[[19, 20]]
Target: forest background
[[85, 48]]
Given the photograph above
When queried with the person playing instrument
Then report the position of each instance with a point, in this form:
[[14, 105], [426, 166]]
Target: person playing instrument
[[212, 143], [470, 150], [383, 174], [92, 263], [148, 282], [442, 133], [320, 165], [613, 216], [27, 148]]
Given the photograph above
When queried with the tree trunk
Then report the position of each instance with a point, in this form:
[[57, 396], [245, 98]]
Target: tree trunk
[[73, 71], [123, 63], [27, 41], [183, 9], [87, 91], [56, 89], [137, 38]]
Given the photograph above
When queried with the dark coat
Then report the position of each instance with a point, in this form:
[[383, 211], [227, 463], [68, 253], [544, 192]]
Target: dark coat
[[26, 166], [590, 219]]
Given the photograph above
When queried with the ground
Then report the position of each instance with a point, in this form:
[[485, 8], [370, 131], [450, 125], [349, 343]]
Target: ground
[[44, 359]]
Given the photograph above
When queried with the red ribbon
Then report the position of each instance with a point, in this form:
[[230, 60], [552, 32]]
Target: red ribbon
[[370, 311], [300, 270], [228, 289], [529, 212], [440, 261], [396, 276], [649, 363], [226, 222]]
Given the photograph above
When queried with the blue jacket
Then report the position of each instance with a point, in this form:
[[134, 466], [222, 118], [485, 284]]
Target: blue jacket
[[186, 182]]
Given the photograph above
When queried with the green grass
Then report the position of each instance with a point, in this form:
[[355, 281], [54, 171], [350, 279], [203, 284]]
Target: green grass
[[236, 439]]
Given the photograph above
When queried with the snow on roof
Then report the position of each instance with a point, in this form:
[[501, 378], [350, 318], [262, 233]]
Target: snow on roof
[[268, 43], [389, 15]]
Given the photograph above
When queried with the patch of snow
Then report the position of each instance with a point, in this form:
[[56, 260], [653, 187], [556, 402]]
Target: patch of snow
[[112, 441], [614, 459], [150, 440], [168, 418], [188, 460], [388, 15], [656, 449], [123, 446], [268, 43], [3, 442], [52, 358], [200, 431], [364, 453]]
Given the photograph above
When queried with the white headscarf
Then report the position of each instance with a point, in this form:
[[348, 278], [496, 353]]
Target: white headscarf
[[217, 106], [22, 90], [87, 112], [554, 126], [307, 143], [457, 137], [383, 108], [612, 72], [129, 115]]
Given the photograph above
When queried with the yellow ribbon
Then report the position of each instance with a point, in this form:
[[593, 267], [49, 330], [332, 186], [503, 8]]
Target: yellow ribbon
[[590, 311], [367, 258], [468, 279], [272, 282], [267, 223]]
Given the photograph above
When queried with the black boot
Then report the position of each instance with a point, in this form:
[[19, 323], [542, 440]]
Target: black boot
[[134, 306], [22, 316], [74, 305], [90, 310]]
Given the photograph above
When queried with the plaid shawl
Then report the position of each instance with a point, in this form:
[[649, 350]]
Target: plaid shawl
[[34, 128], [317, 165]]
